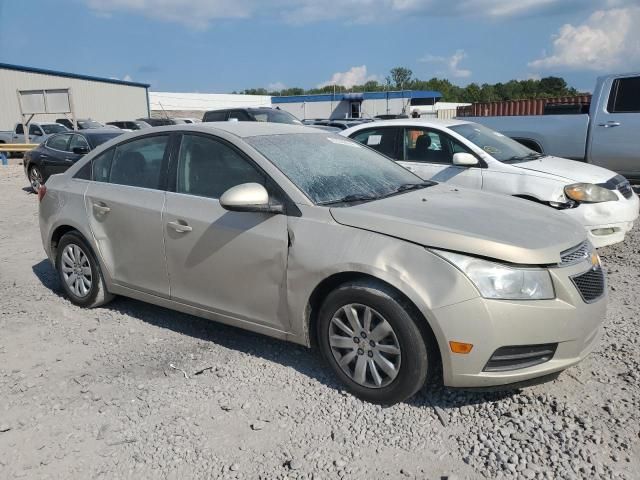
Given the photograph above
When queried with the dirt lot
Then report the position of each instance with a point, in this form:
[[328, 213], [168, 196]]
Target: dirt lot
[[94, 394]]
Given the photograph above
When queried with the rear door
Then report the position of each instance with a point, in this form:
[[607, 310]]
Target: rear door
[[124, 204], [386, 140], [56, 157], [429, 154], [229, 263], [614, 142]]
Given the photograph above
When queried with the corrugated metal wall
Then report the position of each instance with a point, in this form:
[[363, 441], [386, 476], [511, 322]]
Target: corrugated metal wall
[[341, 109], [92, 99], [518, 107]]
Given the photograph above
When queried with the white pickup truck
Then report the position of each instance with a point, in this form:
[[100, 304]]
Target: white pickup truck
[[607, 136], [38, 132]]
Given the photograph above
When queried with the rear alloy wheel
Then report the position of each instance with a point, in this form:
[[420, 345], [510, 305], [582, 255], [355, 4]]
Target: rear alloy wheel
[[370, 337], [35, 178], [80, 273]]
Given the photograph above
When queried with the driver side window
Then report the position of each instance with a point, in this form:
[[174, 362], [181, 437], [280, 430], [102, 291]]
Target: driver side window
[[208, 168]]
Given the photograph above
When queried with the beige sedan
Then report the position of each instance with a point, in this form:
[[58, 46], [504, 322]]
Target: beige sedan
[[307, 236]]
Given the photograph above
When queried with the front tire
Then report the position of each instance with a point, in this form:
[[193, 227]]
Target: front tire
[[371, 340], [80, 273]]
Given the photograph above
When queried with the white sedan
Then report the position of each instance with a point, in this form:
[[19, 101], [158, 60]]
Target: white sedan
[[472, 155]]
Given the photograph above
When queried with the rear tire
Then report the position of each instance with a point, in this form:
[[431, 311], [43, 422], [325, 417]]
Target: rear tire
[[367, 327], [36, 179], [80, 273]]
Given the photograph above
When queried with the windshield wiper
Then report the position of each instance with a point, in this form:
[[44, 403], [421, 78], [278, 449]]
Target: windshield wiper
[[524, 158], [410, 186], [351, 198]]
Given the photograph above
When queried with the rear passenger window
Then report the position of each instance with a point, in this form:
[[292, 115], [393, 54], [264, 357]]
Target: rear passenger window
[[215, 117], [207, 167], [242, 116], [59, 142], [625, 96], [381, 139], [139, 163]]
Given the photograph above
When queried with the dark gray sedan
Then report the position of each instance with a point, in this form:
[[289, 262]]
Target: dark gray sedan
[[60, 151]]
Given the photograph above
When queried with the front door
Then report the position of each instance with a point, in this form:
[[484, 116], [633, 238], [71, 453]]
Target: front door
[[614, 142], [429, 154], [124, 204], [231, 263]]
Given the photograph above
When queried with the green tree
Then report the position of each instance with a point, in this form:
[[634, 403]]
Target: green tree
[[400, 77]]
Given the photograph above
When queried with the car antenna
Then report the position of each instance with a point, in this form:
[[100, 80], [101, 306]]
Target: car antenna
[[164, 111]]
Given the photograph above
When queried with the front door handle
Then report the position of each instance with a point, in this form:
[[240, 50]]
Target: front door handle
[[609, 124], [101, 208], [180, 227], [68, 159]]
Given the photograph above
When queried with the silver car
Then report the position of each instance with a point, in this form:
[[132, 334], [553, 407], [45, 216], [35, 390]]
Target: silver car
[[310, 237]]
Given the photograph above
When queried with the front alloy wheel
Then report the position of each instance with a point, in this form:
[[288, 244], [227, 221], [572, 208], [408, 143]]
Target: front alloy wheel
[[365, 345], [375, 341]]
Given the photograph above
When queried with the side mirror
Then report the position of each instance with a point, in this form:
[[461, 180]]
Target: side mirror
[[248, 197], [80, 150], [463, 159]]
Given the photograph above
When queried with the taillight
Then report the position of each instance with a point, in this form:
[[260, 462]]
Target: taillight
[[41, 192]]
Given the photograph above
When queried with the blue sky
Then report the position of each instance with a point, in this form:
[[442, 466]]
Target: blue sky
[[217, 46]]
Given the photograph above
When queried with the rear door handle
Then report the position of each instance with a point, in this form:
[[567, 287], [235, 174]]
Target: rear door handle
[[609, 124], [101, 208], [68, 159], [180, 227]]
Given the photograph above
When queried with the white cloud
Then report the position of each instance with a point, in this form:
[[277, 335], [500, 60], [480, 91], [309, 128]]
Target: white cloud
[[451, 63], [192, 13], [608, 39], [276, 86], [127, 78], [199, 14], [353, 76], [508, 8]]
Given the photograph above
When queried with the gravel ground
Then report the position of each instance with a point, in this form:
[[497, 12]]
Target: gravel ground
[[136, 391]]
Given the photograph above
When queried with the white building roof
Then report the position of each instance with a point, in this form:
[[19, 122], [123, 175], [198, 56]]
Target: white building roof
[[204, 101]]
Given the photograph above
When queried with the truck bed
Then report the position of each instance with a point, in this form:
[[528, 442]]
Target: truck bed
[[560, 135]]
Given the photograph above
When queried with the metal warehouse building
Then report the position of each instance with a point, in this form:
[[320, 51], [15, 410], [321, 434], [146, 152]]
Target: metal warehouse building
[[193, 105], [357, 105], [102, 99]]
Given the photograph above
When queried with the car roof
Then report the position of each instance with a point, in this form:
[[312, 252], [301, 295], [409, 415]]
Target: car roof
[[242, 129], [100, 131], [410, 122]]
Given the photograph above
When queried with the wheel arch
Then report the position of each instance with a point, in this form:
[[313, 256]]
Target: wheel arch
[[335, 280], [57, 234]]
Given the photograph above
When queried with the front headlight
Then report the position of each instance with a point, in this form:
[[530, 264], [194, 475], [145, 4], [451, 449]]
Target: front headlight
[[495, 280], [589, 193]]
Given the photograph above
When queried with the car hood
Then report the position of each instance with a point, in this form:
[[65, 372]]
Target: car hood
[[568, 169], [469, 221]]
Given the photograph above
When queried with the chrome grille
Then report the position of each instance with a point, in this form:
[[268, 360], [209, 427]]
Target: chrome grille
[[590, 284], [576, 254]]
